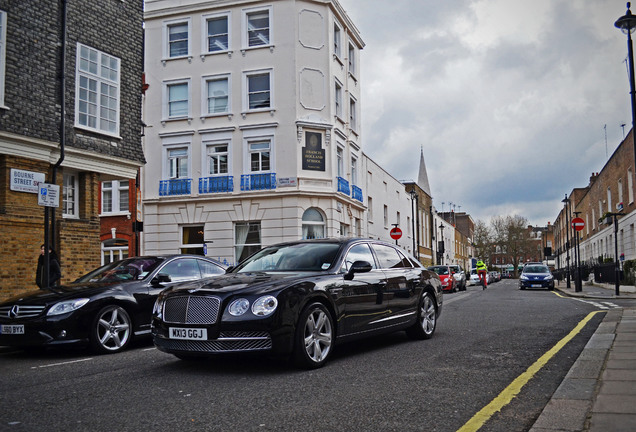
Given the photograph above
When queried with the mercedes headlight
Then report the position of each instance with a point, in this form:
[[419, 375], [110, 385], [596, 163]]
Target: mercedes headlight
[[66, 306]]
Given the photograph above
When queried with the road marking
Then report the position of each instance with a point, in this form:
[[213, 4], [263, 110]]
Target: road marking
[[600, 305], [513, 389], [61, 364]]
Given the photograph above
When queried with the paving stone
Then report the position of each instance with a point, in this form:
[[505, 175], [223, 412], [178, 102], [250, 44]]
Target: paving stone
[[564, 415], [612, 423]]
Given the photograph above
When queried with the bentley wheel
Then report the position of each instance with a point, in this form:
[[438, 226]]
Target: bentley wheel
[[314, 337], [111, 331], [426, 319]]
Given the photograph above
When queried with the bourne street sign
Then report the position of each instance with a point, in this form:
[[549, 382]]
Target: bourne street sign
[[49, 195], [578, 224]]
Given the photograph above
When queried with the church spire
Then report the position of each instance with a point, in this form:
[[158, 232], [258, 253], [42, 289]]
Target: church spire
[[422, 177]]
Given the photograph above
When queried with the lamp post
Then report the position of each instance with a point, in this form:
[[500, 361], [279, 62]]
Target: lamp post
[[627, 24], [567, 240], [415, 203], [440, 245]]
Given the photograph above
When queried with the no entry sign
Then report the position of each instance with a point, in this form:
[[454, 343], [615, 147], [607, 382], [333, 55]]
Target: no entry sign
[[395, 233], [578, 223]]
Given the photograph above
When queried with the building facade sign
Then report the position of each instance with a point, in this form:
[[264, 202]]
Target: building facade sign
[[313, 153], [26, 181]]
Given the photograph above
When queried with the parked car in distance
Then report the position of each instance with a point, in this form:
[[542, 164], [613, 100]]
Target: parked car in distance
[[300, 300], [536, 275], [105, 308], [460, 277], [474, 278], [445, 274]]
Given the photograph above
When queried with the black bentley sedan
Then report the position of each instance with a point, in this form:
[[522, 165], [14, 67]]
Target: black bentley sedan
[[299, 299], [105, 308]]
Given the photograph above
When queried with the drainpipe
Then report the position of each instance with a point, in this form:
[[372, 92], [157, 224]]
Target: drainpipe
[[63, 114], [49, 222]]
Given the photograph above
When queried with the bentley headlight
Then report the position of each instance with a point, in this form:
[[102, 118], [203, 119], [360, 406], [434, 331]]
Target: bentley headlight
[[66, 306], [264, 306], [239, 307]]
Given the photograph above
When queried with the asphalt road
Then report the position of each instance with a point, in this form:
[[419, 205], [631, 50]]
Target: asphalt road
[[484, 341]]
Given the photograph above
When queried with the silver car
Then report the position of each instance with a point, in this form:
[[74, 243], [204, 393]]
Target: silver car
[[460, 277]]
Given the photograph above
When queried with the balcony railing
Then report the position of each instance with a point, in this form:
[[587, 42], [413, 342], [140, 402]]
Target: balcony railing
[[175, 187], [356, 193], [258, 181], [216, 184], [343, 186]]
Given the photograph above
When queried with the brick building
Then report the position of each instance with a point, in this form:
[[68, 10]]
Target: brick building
[[609, 191], [57, 54]]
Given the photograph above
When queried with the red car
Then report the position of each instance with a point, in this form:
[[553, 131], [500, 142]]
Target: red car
[[445, 274]]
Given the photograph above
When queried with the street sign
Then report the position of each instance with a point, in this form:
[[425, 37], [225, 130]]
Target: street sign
[[395, 233], [49, 195], [578, 224]]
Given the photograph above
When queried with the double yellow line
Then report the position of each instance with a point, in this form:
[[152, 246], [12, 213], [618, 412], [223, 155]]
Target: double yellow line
[[510, 392]]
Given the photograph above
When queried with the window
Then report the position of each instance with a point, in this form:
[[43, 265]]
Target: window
[[354, 171], [247, 239], [3, 42], [609, 200], [338, 99], [630, 186], [114, 250], [115, 196], [386, 216], [177, 97], [97, 90], [313, 224], [259, 153], [360, 252], [352, 60], [182, 269], [178, 161], [217, 159], [337, 40], [388, 257], [258, 28], [192, 240], [177, 39], [620, 191], [339, 162], [216, 99], [218, 33], [370, 208], [353, 115], [70, 199], [258, 90]]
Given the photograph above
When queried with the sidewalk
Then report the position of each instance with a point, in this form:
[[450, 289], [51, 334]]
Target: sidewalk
[[599, 392]]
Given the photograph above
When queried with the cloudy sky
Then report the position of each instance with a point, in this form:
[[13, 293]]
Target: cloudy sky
[[510, 100]]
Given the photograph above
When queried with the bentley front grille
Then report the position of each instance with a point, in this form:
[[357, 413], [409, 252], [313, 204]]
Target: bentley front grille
[[191, 309]]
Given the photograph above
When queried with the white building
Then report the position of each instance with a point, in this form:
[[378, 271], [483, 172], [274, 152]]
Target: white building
[[253, 125]]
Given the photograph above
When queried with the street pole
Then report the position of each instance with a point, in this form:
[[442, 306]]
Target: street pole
[[567, 241], [617, 269], [578, 287], [627, 24]]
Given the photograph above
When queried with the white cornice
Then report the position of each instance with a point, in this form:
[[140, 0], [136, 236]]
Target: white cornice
[[79, 159]]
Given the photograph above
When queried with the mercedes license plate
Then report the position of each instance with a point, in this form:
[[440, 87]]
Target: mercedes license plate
[[188, 333], [11, 329]]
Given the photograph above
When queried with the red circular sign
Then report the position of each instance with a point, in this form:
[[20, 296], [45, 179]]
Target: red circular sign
[[578, 223], [396, 233]]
